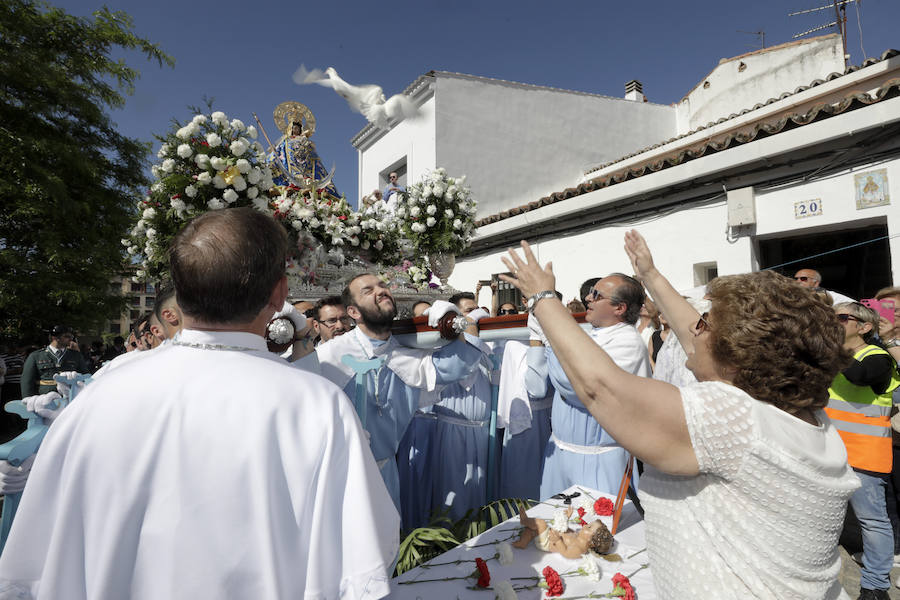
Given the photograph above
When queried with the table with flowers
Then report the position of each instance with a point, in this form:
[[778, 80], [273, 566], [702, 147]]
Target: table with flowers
[[486, 566]]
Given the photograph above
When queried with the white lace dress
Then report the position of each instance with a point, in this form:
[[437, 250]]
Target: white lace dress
[[762, 518]]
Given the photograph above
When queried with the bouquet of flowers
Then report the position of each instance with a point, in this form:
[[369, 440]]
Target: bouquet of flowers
[[210, 163], [437, 214]]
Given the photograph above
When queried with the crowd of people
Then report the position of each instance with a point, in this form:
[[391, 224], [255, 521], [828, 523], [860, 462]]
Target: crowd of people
[[757, 414]]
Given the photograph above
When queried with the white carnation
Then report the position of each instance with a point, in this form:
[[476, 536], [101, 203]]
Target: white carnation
[[219, 118], [202, 161], [156, 171], [230, 196], [151, 233], [178, 204], [163, 150], [168, 165], [184, 133], [199, 119], [148, 213], [219, 164], [204, 178], [364, 245], [505, 554], [239, 183], [213, 139], [190, 191], [125, 242], [314, 222], [133, 249], [438, 190], [448, 213], [251, 131], [354, 240], [243, 165], [560, 521], [379, 244], [238, 147], [219, 182], [590, 567], [430, 221], [215, 204], [252, 192], [304, 213], [431, 209], [139, 273], [260, 204], [184, 150], [237, 124], [457, 224], [415, 211], [253, 176]]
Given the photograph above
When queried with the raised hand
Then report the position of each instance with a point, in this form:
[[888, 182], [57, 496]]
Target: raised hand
[[638, 253], [528, 275]]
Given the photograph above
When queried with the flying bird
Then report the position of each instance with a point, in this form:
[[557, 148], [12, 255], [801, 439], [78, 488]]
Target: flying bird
[[367, 100]]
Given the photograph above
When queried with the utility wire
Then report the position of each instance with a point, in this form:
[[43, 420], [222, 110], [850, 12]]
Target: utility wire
[[791, 262]]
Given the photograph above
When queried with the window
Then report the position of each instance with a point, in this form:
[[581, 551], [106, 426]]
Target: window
[[114, 327], [150, 289], [506, 292], [398, 167], [137, 287], [134, 300], [134, 314], [705, 272]]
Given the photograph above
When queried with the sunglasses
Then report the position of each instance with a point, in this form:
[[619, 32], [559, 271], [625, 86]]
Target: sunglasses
[[507, 311], [702, 325], [594, 295], [844, 317]]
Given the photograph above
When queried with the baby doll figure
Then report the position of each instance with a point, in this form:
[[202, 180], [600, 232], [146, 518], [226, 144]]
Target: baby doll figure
[[572, 544]]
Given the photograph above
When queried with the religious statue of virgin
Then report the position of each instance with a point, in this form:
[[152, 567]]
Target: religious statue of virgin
[[293, 159]]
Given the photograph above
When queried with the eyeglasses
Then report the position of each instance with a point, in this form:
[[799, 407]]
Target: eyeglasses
[[702, 325], [844, 317], [334, 321], [594, 295], [507, 311], [804, 279]]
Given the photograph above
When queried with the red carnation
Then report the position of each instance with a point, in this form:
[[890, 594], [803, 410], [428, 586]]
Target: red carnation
[[622, 587], [484, 577], [204, 143], [342, 217], [581, 512], [603, 507], [554, 582]]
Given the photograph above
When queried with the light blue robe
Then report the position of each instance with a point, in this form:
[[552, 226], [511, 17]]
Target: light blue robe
[[388, 416], [523, 453], [460, 449], [415, 472], [573, 424]]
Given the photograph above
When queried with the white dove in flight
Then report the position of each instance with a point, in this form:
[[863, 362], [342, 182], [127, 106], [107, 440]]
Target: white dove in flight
[[367, 100]]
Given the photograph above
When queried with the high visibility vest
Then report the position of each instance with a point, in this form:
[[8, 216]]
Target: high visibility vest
[[862, 418]]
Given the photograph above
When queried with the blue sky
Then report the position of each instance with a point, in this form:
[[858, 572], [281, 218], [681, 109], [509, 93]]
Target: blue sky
[[243, 54]]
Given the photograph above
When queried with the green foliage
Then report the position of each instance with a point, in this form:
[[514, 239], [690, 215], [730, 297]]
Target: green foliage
[[68, 179], [442, 534]]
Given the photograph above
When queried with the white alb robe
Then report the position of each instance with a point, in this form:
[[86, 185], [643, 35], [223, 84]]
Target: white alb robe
[[204, 473]]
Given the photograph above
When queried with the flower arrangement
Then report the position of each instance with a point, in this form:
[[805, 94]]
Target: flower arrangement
[[437, 214], [209, 163]]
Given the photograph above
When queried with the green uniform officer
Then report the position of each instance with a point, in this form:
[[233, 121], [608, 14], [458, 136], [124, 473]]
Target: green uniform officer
[[42, 365]]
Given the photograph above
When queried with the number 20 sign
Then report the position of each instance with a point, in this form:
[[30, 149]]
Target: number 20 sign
[[807, 208]]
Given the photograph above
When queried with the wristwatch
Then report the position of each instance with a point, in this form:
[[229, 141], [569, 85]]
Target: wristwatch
[[532, 302], [892, 343]]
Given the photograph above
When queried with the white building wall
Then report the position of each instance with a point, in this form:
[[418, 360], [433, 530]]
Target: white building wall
[[518, 143], [765, 74], [413, 139]]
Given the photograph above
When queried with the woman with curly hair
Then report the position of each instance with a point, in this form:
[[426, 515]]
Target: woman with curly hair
[[860, 406], [746, 480]]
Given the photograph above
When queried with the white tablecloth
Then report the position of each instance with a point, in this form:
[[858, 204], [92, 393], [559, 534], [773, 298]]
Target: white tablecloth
[[531, 561]]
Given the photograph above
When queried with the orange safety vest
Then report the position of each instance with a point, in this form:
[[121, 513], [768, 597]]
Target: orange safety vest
[[862, 419]]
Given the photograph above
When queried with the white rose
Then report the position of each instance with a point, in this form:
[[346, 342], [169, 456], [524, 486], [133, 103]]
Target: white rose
[[252, 192], [204, 178], [237, 124], [430, 221], [364, 245], [163, 150], [379, 244], [219, 118], [314, 222], [336, 241], [448, 213], [148, 213], [139, 226], [230, 196], [139, 273], [190, 191], [198, 119], [184, 151], [219, 164], [178, 204], [239, 183], [243, 165], [457, 224], [238, 147], [251, 131], [213, 140], [215, 204], [253, 176], [297, 224], [219, 182], [354, 241], [462, 207], [151, 233], [431, 209], [438, 190], [260, 204], [415, 211], [202, 161], [168, 165], [184, 133], [156, 171], [125, 242], [133, 249]]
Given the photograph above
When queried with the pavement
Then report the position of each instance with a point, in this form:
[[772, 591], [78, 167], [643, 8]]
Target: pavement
[[849, 577]]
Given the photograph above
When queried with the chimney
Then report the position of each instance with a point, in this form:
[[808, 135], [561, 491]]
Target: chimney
[[635, 91]]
